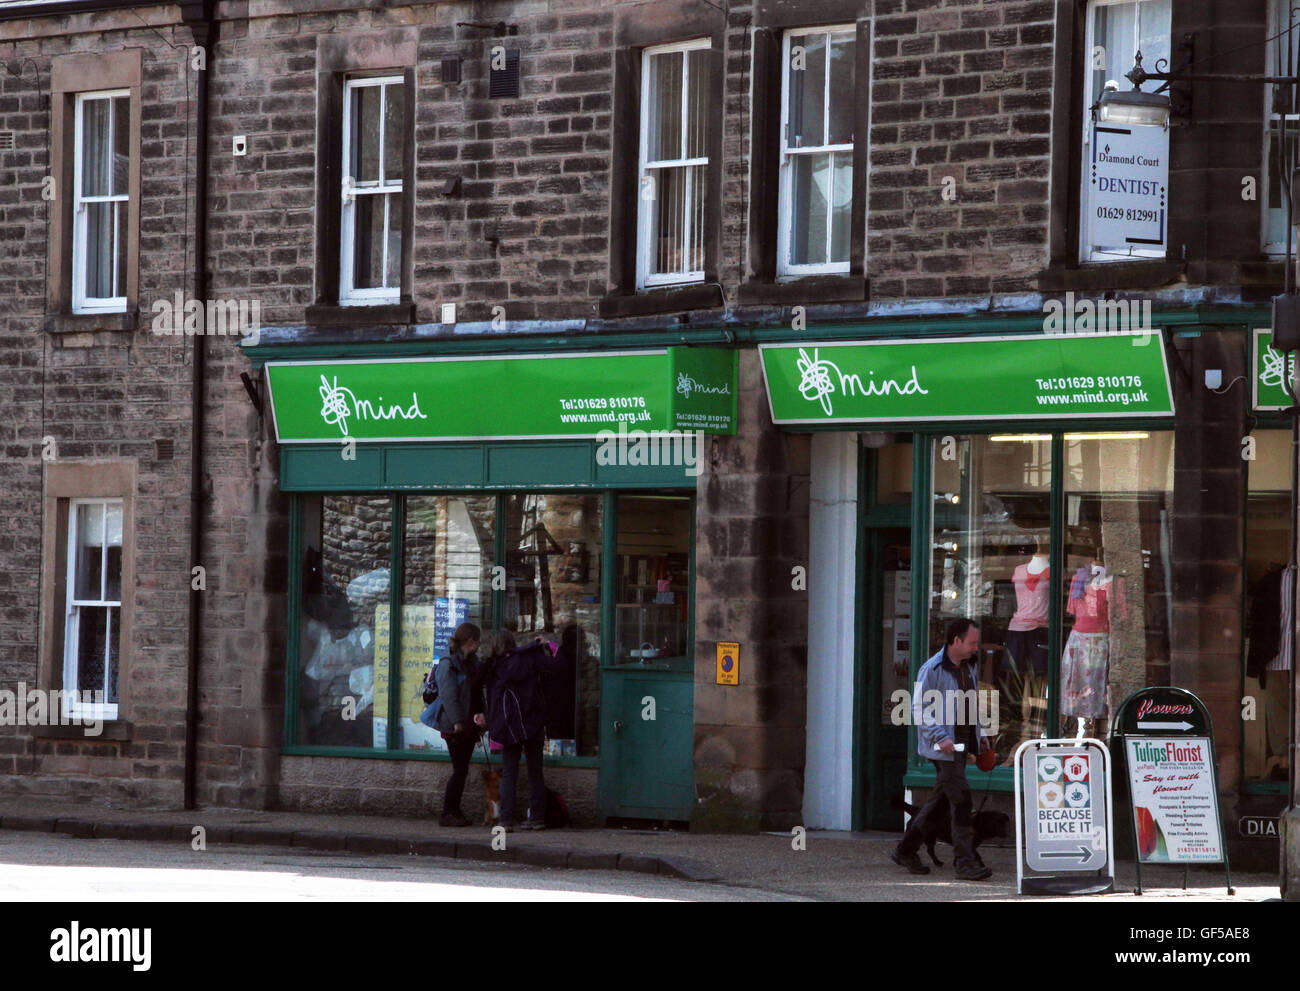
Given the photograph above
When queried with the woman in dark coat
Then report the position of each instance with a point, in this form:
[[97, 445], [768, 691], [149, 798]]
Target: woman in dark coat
[[460, 714], [516, 719]]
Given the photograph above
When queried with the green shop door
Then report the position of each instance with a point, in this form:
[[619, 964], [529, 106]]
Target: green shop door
[[647, 725], [884, 627]]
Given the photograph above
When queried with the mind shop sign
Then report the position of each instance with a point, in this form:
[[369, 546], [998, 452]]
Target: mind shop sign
[[1128, 178]]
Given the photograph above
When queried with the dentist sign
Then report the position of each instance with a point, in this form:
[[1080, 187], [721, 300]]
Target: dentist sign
[[1128, 183]]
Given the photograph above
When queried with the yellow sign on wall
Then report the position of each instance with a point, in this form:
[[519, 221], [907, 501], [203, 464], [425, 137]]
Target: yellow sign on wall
[[728, 664]]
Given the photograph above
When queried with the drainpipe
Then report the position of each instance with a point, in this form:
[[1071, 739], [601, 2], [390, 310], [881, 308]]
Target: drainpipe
[[199, 16]]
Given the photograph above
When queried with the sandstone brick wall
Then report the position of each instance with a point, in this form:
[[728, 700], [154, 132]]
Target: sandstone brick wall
[[98, 395]]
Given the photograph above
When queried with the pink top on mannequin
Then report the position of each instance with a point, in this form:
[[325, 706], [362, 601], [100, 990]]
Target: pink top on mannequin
[[1092, 607], [1033, 592]]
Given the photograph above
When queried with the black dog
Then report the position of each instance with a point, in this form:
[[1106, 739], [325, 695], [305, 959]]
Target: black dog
[[937, 828]]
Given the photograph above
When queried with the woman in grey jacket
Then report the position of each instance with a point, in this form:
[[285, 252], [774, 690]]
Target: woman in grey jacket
[[460, 714]]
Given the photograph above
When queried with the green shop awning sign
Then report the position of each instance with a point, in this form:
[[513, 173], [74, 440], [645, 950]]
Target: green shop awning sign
[[1038, 377], [504, 397], [1269, 366]]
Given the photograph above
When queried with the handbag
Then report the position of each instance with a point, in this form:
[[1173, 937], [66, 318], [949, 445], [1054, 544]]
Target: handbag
[[429, 690], [430, 714]]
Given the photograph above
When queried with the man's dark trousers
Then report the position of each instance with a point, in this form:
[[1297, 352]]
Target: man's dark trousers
[[950, 783]]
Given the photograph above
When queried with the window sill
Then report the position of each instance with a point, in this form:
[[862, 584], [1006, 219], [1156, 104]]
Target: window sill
[[110, 730], [845, 288], [671, 300], [85, 323], [360, 315], [1098, 276]]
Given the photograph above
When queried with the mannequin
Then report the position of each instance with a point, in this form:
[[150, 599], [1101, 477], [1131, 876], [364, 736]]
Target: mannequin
[[1027, 638], [1094, 593]]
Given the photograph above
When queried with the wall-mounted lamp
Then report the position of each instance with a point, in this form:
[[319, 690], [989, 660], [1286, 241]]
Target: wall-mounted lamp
[[1135, 107]]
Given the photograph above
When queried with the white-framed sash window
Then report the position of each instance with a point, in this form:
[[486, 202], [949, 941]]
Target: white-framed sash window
[[370, 269], [1283, 123], [674, 164], [818, 98], [101, 200], [1117, 30], [93, 620]]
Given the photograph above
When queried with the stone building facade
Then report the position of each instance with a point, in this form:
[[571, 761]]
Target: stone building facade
[[522, 210]]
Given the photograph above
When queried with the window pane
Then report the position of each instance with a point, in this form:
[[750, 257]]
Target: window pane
[[90, 552], [653, 568], [368, 241], [1275, 232], [393, 267], [807, 91], [843, 54], [664, 107], [1120, 30], [842, 207], [113, 568], [553, 546], [991, 557], [345, 578], [1116, 588], [448, 581], [677, 221], [102, 234], [92, 634], [810, 181], [365, 109], [698, 105], [96, 148], [121, 145], [114, 652], [394, 107]]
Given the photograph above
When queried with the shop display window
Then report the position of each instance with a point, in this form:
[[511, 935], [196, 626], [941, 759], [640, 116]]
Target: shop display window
[[990, 562], [652, 605], [1266, 656], [553, 591], [1066, 565], [346, 550], [530, 563]]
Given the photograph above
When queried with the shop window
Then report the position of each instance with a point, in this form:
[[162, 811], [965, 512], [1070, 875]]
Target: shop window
[[1117, 30], [370, 269], [553, 551], [993, 558], [1267, 607], [990, 563], [446, 580], [1118, 576], [101, 201], [653, 562], [1280, 142], [548, 585], [347, 550], [674, 164], [93, 628], [816, 186]]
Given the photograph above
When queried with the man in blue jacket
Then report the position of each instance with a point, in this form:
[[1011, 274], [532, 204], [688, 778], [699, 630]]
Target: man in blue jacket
[[940, 730]]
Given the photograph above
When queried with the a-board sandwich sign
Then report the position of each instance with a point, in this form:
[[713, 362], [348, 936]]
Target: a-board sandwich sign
[[1063, 817], [1168, 745]]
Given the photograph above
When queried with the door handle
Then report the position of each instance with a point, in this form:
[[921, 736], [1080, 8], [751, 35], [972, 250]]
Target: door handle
[[618, 725]]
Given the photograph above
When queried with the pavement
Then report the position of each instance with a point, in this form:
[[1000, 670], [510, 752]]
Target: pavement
[[818, 865]]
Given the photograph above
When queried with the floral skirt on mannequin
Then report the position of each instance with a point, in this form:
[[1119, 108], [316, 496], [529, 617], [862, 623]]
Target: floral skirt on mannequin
[[1083, 675]]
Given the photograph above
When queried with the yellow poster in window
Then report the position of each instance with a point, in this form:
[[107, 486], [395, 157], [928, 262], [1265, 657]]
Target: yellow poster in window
[[728, 664]]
